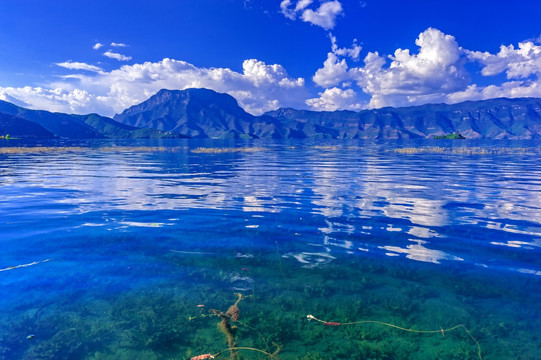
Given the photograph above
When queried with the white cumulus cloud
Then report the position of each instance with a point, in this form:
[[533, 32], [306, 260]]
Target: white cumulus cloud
[[509, 89], [522, 67], [428, 76], [286, 10], [290, 11], [259, 73], [333, 72], [259, 88], [433, 72], [324, 16], [97, 46], [404, 78], [352, 52], [116, 56], [437, 72], [516, 63], [334, 99], [54, 99]]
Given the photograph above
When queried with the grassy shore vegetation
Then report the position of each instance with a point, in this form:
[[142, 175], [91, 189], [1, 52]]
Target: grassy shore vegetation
[[228, 150], [60, 149], [39, 149], [8, 137], [225, 150], [469, 150]]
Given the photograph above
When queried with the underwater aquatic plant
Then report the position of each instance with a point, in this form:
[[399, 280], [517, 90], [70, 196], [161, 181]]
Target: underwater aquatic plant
[[441, 330], [233, 314], [202, 357]]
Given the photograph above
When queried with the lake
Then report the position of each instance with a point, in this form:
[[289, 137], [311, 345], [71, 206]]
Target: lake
[[279, 250]]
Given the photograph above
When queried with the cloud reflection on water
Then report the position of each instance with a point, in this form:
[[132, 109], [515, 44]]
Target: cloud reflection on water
[[362, 195], [417, 251]]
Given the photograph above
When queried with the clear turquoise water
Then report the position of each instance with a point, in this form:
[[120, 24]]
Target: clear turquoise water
[[107, 253]]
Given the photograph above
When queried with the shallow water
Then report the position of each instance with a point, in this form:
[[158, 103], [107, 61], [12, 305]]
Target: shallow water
[[108, 253]]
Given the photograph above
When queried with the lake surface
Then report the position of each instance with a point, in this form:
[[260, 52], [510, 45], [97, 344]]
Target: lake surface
[[136, 250]]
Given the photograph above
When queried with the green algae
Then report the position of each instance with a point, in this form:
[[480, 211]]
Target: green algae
[[165, 322]]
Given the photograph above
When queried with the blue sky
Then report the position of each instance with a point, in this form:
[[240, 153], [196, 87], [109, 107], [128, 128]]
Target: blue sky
[[103, 56]]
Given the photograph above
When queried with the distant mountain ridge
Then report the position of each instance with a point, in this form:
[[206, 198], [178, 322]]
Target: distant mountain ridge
[[204, 113], [208, 114], [26, 123], [485, 119]]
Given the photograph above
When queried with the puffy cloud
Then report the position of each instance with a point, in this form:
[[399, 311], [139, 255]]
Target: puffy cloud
[[509, 89], [259, 88], [352, 52], [430, 75], [436, 71], [472, 92], [302, 4], [286, 11], [79, 66], [516, 63], [56, 99], [324, 16], [116, 56], [333, 72], [260, 73], [521, 65], [114, 44], [97, 46], [334, 99], [291, 12], [433, 73]]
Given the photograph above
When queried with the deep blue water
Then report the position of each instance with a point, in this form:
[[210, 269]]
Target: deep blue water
[[106, 253]]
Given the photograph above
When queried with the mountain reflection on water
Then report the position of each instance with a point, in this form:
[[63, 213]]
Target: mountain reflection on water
[[135, 219]]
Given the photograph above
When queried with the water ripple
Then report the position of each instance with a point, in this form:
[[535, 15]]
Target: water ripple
[[368, 198]]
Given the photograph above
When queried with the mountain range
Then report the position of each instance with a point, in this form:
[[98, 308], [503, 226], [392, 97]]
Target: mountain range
[[25, 123], [204, 113]]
